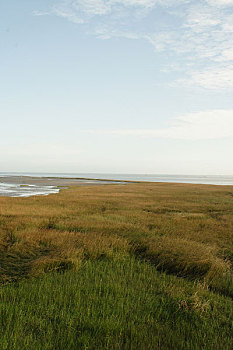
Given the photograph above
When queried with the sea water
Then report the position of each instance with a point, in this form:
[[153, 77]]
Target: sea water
[[17, 190]]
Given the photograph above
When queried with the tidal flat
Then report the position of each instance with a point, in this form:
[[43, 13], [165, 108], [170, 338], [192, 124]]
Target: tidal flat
[[122, 266], [26, 186]]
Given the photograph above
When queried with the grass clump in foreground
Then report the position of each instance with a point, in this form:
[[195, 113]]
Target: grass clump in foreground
[[113, 305], [144, 266]]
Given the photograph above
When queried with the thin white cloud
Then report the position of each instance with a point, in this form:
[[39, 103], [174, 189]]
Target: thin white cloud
[[203, 43], [199, 17], [68, 14], [221, 3], [81, 11], [197, 34], [204, 125], [217, 78], [86, 9]]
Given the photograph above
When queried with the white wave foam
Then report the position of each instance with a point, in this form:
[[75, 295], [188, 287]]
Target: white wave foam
[[21, 190]]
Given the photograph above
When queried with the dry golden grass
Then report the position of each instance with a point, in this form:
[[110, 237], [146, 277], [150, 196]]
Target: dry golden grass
[[183, 229]]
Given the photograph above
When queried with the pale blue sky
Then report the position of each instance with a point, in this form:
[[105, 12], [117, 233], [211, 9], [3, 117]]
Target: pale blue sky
[[129, 86]]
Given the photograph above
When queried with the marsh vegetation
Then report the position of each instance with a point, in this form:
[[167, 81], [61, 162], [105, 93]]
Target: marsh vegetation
[[134, 266]]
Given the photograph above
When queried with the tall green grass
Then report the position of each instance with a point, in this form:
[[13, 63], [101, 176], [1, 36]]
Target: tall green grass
[[113, 305]]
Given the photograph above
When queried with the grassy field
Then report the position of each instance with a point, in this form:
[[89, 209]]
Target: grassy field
[[136, 266]]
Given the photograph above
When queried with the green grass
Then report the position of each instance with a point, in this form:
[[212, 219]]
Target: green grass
[[113, 305]]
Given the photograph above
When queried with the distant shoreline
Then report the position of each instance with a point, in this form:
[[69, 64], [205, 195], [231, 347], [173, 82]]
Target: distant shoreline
[[55, 181], [108, 177], [69, 181]]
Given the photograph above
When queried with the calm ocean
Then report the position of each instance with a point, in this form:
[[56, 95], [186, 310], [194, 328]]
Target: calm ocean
[[195, 179]]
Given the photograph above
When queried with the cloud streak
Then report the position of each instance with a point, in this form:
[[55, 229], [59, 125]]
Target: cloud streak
[[204, 125], [197, 34], [203, 43], [221, 3]]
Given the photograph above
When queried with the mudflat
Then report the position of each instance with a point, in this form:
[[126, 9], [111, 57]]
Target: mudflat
[[53, 181]]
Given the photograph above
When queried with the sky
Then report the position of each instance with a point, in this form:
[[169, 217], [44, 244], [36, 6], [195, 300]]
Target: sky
[[116, 86]]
